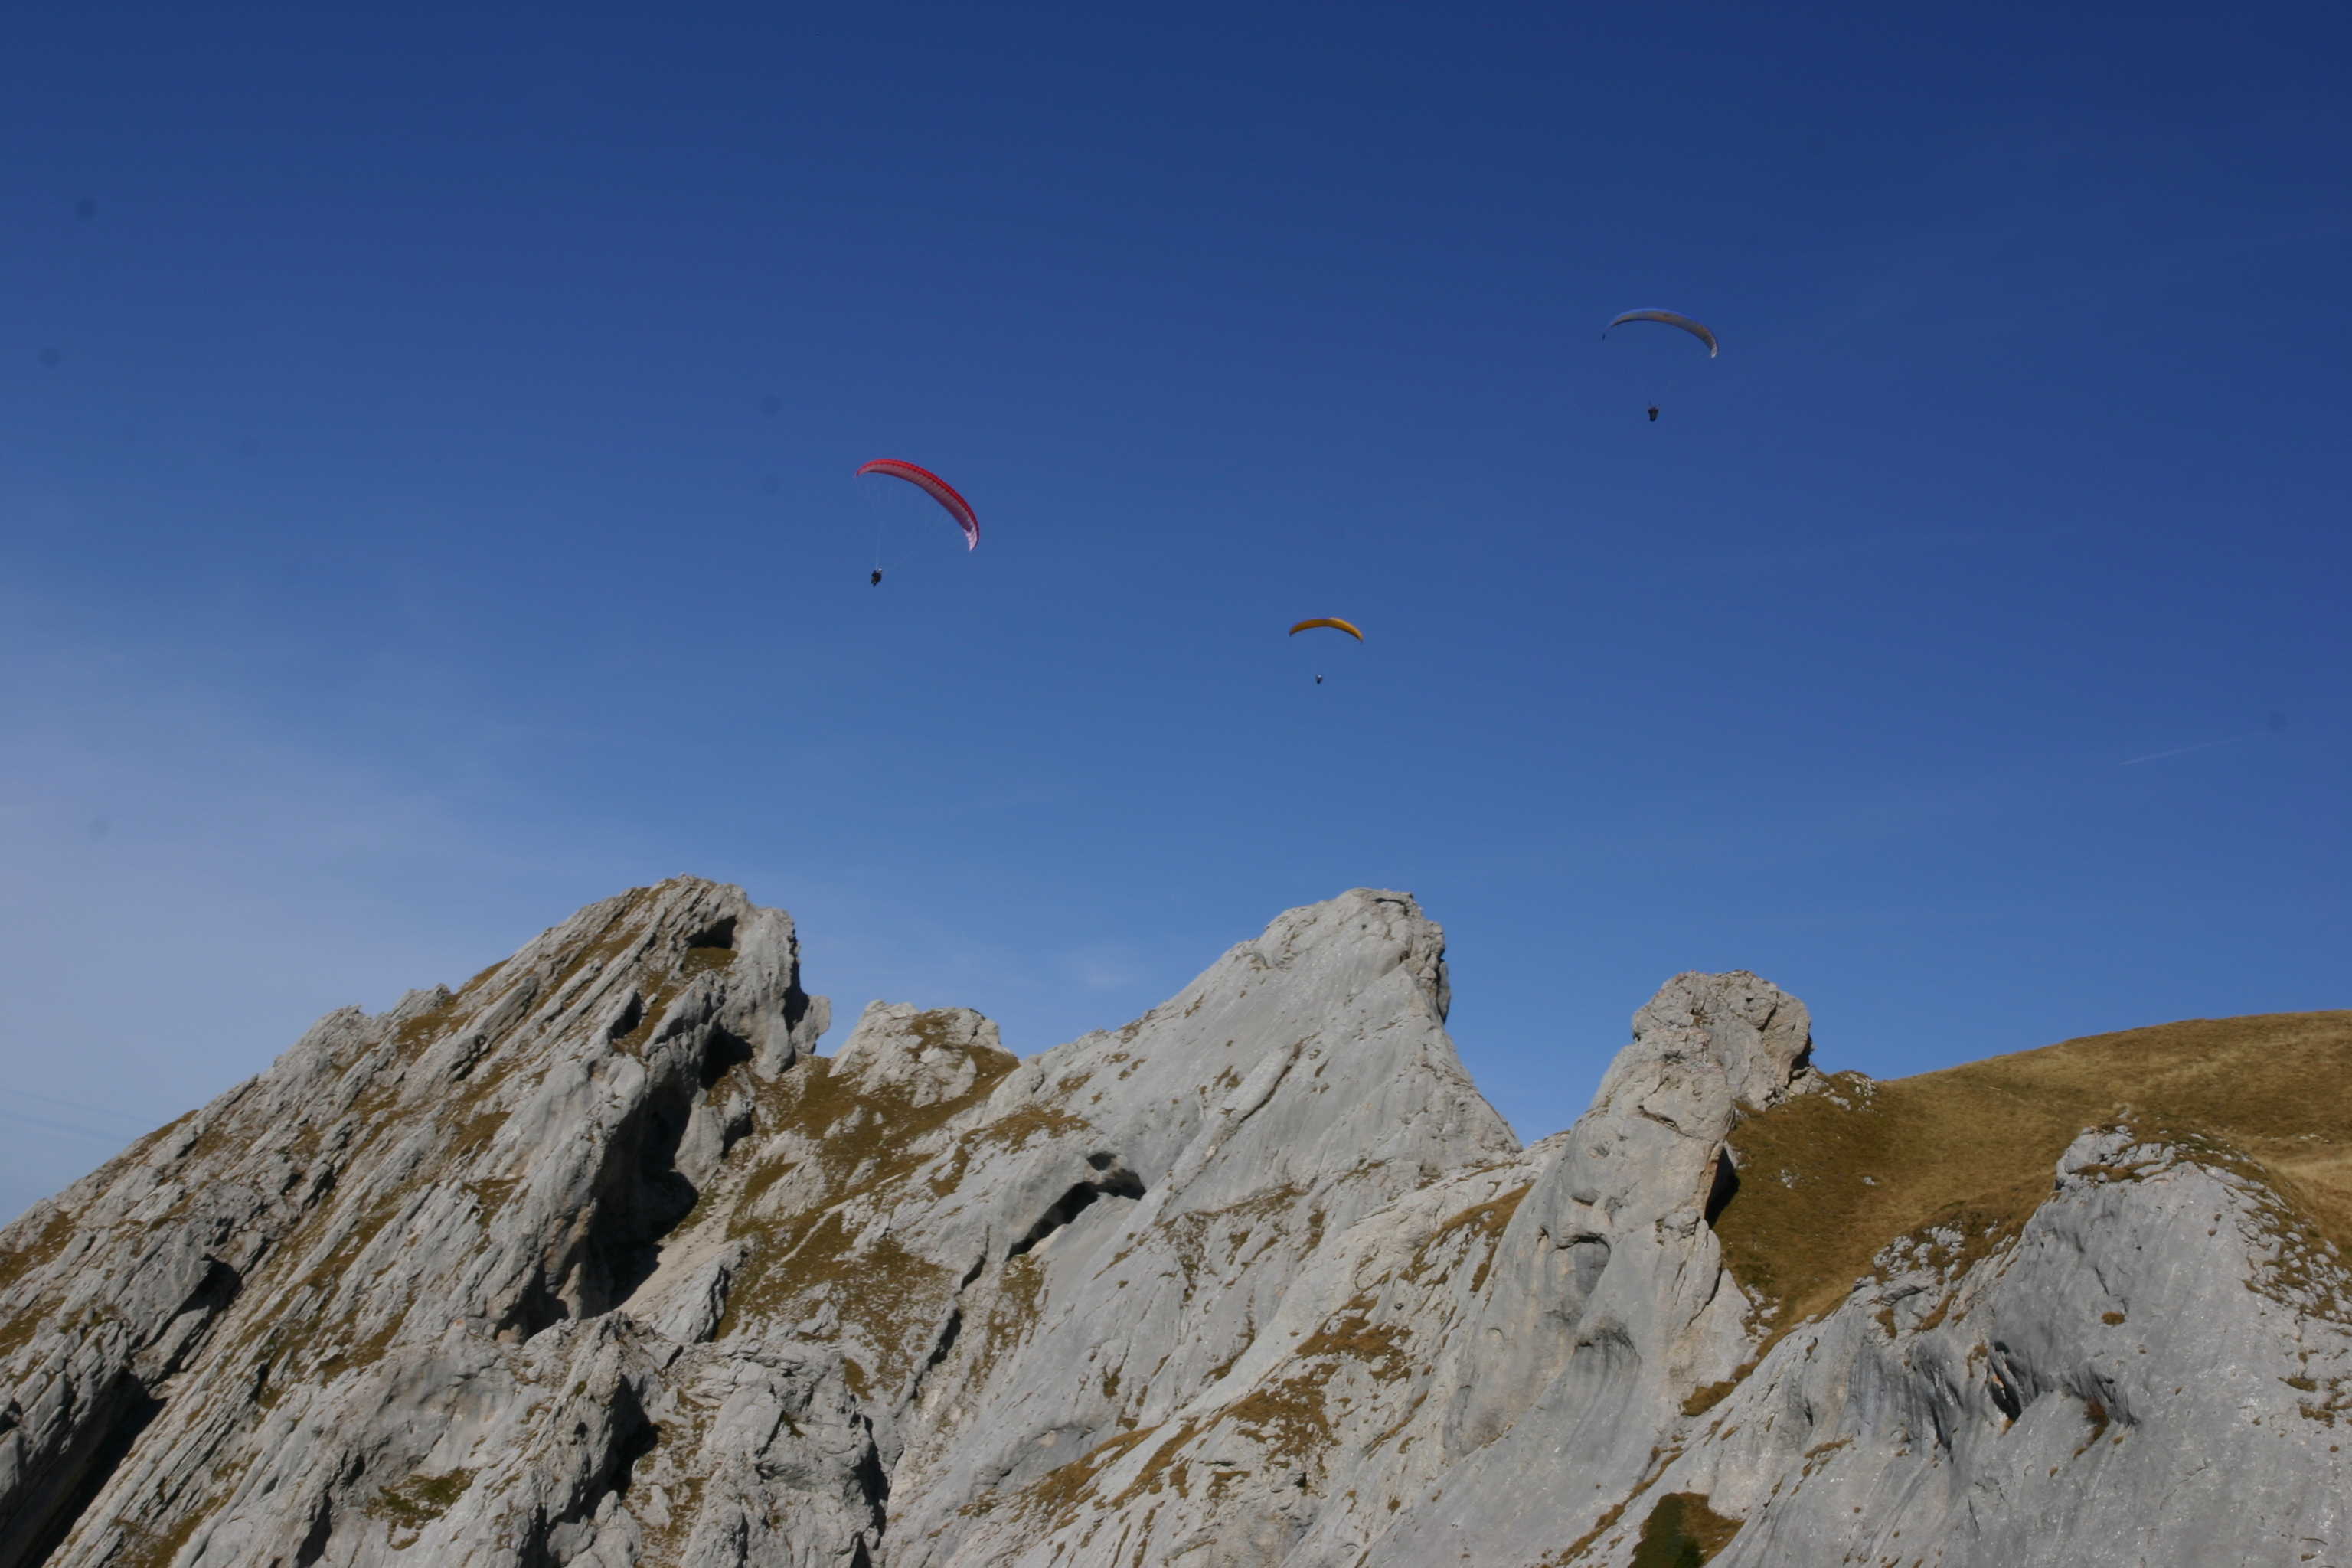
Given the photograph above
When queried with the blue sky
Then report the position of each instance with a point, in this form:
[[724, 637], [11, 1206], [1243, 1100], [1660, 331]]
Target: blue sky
[[424, 507]]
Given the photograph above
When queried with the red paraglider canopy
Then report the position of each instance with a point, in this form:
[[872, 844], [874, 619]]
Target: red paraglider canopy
[[937, 489]]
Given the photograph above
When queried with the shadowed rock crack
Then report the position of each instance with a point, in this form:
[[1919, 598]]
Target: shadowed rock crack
[[53, 1504], [1724, 1187], [1117, 1182]]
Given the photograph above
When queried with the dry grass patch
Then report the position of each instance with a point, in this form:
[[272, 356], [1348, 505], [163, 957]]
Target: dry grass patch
[[37, 1252], [1058, 1494], [140, 1547], [1350, 1331], [490, 1197], [1166, 1466], [420, 1500], [1699, 1400], [884, 1292], [861, 1141], [16, 1332], [411, 1036], [1030, 1121], [1486, 1222], [850, 1127], [1827, 1180], [1681, 1531], [701, 961]]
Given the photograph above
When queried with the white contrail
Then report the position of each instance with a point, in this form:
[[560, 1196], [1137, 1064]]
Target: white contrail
[[2184, 750]]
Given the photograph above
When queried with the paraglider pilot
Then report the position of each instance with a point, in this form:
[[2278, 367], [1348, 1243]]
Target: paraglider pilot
[[877, 579], [1335, 624], [1653, 414]]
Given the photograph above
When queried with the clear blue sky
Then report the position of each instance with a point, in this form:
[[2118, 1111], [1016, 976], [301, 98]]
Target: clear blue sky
[[424, 507]]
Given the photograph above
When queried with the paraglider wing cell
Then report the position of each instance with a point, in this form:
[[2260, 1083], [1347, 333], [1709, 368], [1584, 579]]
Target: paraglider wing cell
[[1672, 320], [1333, 622], [937, 489]]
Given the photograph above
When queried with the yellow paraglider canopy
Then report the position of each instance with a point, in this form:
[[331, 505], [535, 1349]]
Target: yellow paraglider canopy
[[1334, 622]]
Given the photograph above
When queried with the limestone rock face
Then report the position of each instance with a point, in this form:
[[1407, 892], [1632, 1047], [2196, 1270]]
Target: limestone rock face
[[594, 1261], [925, 1056], [2153, 1377]]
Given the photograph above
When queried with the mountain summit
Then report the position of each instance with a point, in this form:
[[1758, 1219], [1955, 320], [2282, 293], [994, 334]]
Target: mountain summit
[[595, 1260]]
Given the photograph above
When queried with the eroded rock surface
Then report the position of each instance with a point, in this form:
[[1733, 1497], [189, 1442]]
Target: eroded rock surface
[[596, 1261]]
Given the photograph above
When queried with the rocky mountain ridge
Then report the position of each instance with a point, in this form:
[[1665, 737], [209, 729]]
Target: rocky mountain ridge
[[595, 1260]]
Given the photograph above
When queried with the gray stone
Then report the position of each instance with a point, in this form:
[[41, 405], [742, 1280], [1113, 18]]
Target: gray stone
[[927, 1057], [596, 1261]]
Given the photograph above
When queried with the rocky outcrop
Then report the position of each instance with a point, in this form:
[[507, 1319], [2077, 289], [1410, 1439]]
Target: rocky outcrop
[[2149, 1372], [594, 1260]]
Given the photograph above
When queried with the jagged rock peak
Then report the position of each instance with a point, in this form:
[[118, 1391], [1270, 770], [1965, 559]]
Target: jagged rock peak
[[594, 1261], [926, 1056], [1734, 1033], [1364, 930]]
